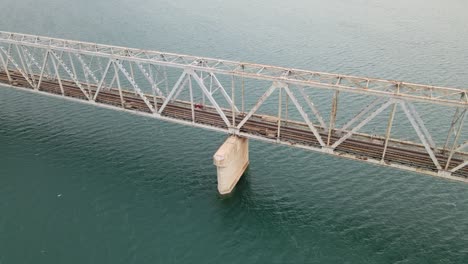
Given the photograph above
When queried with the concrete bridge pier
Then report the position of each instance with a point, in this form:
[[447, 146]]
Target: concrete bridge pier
[[231, 160]]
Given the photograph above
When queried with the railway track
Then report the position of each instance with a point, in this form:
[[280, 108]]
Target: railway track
[[292, 132]]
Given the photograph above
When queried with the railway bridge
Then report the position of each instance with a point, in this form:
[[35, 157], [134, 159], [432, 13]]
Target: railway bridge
[[402, 125]]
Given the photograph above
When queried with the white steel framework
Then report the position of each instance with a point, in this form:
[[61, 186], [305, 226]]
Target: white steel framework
[[154, 83]]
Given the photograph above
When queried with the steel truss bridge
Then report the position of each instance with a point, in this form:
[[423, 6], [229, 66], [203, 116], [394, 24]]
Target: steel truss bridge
[[273, 104]]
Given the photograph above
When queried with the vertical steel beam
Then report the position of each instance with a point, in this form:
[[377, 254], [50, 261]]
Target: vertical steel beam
[[333, 116], [58, 77], [280, 110], [457, 136], [389, 130], [192, 108], [118, 84], [243, 93], [9, 58], [5, 67], [455, 119], [101, 83], [233, 107], [25, 61], [43, 69]]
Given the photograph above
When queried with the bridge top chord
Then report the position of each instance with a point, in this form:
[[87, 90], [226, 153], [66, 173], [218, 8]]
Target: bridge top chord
[[456, 97]]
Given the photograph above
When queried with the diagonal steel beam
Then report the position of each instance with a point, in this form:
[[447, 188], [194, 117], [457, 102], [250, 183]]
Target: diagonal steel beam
[[304, 116], [9, 58], [173, 91], [58, 77], [150, 79], [134, 84], [209, 96], [362, 123], [26, 63], [421, 125], [43, 69], [116, 71], [223, 92], [73, 77], [462, 165], [421, 136], [5, 67], [102, 82], [363, 112], [312, 107], [457, 136], [258, 104]]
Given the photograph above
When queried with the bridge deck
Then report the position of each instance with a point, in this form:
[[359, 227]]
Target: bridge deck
[[360, 146]]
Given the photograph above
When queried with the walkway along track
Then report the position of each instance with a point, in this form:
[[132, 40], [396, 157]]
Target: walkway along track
[[399, 154]]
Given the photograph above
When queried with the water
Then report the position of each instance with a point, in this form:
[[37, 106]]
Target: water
[[85, 185]]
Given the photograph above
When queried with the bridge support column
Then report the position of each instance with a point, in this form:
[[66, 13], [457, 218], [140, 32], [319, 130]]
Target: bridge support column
[[231, 160]]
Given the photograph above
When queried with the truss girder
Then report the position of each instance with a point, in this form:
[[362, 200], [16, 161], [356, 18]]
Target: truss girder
[[371, 86], [32, 57]]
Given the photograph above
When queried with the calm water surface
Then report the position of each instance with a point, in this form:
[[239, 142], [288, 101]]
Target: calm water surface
[[85, 185]]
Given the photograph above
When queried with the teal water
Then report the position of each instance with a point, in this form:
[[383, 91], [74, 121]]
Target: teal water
[[80, 184]]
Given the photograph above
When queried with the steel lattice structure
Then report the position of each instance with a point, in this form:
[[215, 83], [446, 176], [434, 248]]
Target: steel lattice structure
[[154, 84]]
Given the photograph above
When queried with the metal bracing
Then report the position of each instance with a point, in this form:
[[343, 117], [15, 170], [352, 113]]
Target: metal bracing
[[32, 59], [418, 119], [389, 130], [58, 77], [257, 105], [18, 68], [117, 78], [26, 63], [100, 84], [464, 164], [280, 112], [223, 91], [420, 133], [150, 79], [201, 84], [457, 136], [362, 123], [76, 68], [64, 66], [87, 71], [174, 90], [351, 84], [304, 116], [312, 107], [132, 82], [5, 67], [44, 66], [362, 113], [333, 113]]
